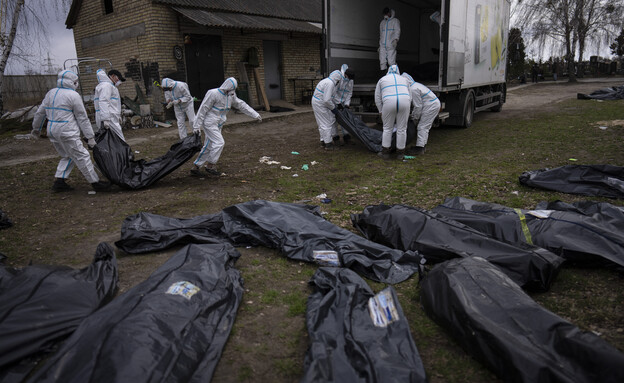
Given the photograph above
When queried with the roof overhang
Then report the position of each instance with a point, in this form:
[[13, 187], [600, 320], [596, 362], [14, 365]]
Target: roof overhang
[[243, 21]]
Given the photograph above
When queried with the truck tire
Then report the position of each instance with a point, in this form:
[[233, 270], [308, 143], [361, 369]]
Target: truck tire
[[468, 101]]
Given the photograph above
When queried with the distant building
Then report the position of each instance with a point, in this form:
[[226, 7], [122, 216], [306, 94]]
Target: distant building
[[201, 42]]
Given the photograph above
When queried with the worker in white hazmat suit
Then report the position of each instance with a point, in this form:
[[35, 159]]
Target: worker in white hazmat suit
[[393, 100], [211, 116], [107, 101], [342, 99], [67, 117], [426, 108], [178, 96], [389, 34], [322, 105]]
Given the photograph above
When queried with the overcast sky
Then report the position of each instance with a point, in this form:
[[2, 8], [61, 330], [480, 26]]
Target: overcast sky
[[61, 46]]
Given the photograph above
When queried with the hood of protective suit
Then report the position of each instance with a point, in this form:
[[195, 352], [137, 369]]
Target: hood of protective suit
[[394, 69], [168, 83], [67, 79], [336, 76], [102, 76], [409, 78], [230, 84], [391, 13], [344, 68]]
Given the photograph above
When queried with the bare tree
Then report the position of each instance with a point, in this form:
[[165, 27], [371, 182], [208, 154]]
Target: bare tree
[[598, 18], [7, 45], [27, 35]]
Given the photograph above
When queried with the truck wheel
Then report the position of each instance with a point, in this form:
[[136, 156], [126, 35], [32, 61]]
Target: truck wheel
[[469, 106]]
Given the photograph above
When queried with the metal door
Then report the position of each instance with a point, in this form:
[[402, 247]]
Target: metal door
[[272, 77], [204, 64]]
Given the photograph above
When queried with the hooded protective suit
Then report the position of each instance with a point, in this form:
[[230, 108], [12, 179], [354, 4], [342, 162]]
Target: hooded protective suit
[[183, 106], [211, 116], [107, 104], [393, 100], [344, 91], [389, 34], [426, 109], [67, 117], [323, 104]]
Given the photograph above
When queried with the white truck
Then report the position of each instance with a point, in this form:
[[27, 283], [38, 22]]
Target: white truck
[[457, 48]]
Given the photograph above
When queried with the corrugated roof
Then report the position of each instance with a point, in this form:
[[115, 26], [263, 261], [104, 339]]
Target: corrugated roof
[[239, 20], [306, 10]]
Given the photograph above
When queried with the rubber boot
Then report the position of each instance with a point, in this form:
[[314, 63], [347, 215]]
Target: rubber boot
[[101, 186], [400, 154], [385, 153], [60, 185], [346, 138], [336, 140], [330, 146], [416, 150]]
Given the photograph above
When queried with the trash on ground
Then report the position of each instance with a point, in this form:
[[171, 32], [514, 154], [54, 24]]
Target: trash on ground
[[295, 175], [162, 124], [23, 137], [322, 195], [313, 163], [267, 160], [326, 200], [296, 153], [305, 167], [285, 167]]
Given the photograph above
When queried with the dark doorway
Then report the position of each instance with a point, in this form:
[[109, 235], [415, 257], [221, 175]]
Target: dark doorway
[[204, 64], [272, 76]]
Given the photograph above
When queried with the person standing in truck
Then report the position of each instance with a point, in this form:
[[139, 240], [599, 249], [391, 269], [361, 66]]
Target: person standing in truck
[[389, 33]]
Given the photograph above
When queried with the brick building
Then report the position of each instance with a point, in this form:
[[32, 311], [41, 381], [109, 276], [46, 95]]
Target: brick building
[[201, 42]]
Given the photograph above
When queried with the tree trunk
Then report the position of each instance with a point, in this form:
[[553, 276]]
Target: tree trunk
[[9, 45]]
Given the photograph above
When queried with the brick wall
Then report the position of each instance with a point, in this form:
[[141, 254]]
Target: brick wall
[[146, 57]]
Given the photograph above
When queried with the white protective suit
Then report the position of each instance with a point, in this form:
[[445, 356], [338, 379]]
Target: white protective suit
[[211, 116], [426, 108], [67, 117], [389, 34], [183, 106], [323, 104], [344, 91], [107, 104], [393, 100]]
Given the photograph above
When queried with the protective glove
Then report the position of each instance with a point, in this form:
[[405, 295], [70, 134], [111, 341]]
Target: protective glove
[[35, 133], [170, 104], [195, 130], [395, 43], [340, 107], [177, 101], [107, 124], [91, 143]]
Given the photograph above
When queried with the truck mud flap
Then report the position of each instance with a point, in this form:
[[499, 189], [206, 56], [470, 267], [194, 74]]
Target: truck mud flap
[[438, 239], [171, 327], [115, 159], [497, 323], [356, 335]]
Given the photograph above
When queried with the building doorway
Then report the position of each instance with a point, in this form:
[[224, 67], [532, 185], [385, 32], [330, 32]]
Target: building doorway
[[272, 69], [204, 64]]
